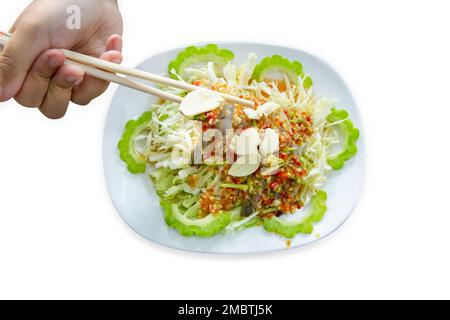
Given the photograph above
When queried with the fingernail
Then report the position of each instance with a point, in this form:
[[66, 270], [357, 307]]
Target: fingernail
[[55, 62], [78, 82], [72, 79], [75, 81]]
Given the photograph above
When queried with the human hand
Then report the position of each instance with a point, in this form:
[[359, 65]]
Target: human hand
[[32, 69]]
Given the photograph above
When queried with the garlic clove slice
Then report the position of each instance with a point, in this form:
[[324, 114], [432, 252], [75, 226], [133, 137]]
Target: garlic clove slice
[[200, 101], [245, 165], [251, 114], [247, 142], [267, 108], [270, 143]]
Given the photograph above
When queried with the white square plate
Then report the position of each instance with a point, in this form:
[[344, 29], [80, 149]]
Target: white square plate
[[137, 203]]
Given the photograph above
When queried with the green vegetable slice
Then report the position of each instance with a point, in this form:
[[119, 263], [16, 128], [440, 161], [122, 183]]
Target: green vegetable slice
[[135, 162], [163, 179], [188, 225], [194, 55], [277, 63], [255, 222], [290, 229], [350, 136]]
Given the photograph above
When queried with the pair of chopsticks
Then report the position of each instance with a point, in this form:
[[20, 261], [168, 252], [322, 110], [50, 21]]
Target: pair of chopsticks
[[112, 72]]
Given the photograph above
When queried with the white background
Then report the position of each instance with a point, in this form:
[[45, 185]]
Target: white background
[[61, 238]]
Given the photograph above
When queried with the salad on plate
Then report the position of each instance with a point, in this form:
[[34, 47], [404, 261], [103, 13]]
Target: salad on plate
[[219, 167]]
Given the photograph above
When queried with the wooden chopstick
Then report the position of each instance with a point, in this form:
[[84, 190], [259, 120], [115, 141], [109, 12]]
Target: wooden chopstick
[[115, 68], [111, 77]]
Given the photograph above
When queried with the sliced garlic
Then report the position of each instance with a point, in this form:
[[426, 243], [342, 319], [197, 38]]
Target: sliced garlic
[[270, 143], [245, 165], [251, 114], [247, 142], [200, 101], [267, 108]]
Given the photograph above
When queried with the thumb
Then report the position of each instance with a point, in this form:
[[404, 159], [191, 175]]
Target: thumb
[[16, 59]]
